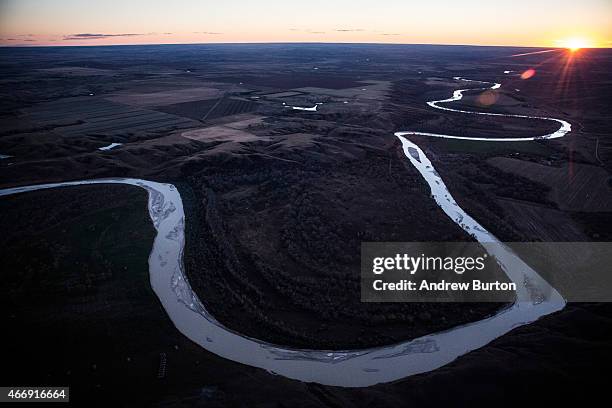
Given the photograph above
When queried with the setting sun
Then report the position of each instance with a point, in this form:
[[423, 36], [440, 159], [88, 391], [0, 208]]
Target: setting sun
[[574, 44]]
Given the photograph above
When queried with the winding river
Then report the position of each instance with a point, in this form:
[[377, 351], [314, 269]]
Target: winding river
[[352, 368]]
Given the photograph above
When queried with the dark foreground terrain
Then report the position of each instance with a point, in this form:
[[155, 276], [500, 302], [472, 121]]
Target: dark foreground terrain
[[278, 202], [85, 315]]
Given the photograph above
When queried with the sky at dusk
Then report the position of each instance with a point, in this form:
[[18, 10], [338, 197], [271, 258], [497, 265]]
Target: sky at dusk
[[545, 23]]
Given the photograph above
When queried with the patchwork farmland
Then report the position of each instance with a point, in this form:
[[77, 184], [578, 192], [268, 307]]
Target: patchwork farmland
[[210, 109], [94, 116]]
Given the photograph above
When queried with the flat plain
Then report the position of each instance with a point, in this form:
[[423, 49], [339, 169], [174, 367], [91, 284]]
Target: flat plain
[[278, 202]]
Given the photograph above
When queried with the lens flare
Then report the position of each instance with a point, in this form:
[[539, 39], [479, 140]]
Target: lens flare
[[487, 98], [528, 74]]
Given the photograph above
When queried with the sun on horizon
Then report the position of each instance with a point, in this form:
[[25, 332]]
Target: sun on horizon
[[539, 24], [576, 43]]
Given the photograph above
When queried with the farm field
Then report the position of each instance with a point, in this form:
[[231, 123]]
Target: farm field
[[210, 109], [573, 187], [277, 202]]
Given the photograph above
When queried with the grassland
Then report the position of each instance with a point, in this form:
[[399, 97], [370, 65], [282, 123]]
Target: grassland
[[285, 198]]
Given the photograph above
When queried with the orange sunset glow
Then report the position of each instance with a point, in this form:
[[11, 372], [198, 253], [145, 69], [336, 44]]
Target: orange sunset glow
[[571, 25], [574, 44]]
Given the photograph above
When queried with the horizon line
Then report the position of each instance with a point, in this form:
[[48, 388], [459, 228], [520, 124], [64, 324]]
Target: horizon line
[[280, 43]]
